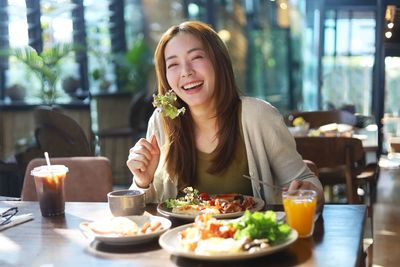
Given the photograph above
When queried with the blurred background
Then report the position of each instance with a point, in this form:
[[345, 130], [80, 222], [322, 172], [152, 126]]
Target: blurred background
[[93, 60]]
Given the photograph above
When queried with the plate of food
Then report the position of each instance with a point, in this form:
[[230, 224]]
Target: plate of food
[[128, 230], [252, 235], [221, 206]]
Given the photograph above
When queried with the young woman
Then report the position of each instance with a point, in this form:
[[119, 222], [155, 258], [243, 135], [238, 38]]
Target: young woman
[[221, 136]]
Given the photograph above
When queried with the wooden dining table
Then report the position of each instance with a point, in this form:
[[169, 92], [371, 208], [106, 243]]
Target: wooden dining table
[[386, 219], [58, 241]]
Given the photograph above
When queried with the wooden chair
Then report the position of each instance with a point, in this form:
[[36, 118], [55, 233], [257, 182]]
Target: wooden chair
[[10, 179], [319, 118], [89, 178], [113, 140], [59, 134], [340, 160], [140, 110]]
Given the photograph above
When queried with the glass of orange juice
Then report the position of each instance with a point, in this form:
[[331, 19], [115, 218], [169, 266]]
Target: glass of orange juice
[[300, 206]]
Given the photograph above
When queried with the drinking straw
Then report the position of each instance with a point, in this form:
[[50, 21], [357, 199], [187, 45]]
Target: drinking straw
[[46, 155], [53, 177]]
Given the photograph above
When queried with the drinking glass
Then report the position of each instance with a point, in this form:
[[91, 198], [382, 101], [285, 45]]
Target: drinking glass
[[300, 206], [49, 182]]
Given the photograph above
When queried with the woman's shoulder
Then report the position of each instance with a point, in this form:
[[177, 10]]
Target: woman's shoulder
[[255, 106]]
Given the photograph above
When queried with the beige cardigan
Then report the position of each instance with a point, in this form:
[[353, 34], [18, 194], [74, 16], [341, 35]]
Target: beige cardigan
[[271, 153]]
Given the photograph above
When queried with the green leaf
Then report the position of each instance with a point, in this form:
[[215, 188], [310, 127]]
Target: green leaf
[[134, 66], [166, 104], [45, 66], [261, 225]]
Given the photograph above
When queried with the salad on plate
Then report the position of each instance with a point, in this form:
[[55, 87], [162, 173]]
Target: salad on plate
[[194, 203], [252, 235]]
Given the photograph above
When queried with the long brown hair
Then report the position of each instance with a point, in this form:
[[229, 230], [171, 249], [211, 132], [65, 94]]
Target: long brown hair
[[181, 155]]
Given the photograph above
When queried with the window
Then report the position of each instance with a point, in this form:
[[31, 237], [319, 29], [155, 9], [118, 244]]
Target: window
[[392, 92], [348, 59], [101, 68], [17, 37]]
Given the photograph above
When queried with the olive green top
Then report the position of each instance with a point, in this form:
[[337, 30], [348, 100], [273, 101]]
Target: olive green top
[[231, 180]]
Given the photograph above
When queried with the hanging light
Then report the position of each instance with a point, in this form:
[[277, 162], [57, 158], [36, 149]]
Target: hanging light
[[390, 12], [389, 16], [389, 19], [225, 35]]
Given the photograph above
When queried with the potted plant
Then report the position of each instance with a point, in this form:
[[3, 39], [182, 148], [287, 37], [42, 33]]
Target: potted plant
[[99, 75], [134, 66], [70, 84], [45, 66], [16, 92]]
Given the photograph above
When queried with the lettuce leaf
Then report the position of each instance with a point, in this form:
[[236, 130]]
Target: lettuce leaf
[[261, 225], [166, 104]]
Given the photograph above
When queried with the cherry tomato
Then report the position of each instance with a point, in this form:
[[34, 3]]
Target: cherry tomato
[[204, 196]]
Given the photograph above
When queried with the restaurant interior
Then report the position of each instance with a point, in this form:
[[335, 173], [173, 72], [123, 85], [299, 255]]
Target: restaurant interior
[[77, 80]]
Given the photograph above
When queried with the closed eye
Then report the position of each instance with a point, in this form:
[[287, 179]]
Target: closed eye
[[172, 65], [197, 57]]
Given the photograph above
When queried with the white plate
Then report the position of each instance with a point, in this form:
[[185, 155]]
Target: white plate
[[130, 240], [391, 161], [169, 241], [162, 209]]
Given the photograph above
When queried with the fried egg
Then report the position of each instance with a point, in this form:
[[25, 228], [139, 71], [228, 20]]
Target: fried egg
[[218, 245]]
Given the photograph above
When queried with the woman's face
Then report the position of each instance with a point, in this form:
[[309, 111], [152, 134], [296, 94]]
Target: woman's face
[[190, 72]]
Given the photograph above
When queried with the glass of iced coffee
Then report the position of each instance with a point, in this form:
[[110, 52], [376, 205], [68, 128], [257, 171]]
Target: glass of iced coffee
[[49, 182]]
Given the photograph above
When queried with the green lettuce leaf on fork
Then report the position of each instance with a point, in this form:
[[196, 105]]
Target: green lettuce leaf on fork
[[166, 104]]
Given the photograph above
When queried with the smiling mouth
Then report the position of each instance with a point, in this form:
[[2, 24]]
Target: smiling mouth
[[192, 86]]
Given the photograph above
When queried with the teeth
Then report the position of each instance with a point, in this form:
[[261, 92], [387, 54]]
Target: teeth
[[192, 85]]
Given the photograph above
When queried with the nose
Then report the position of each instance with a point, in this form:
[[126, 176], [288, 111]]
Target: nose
[[187, 70]]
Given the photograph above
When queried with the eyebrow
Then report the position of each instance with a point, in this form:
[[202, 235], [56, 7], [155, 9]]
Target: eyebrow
[[190, 51]]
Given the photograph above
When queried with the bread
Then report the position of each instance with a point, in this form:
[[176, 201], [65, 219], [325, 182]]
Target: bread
[[195, 210], [187, 210]]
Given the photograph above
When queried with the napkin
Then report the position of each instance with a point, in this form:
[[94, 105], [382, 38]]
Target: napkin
[[17, 219]]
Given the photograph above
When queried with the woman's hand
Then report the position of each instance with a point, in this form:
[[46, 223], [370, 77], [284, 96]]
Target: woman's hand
[[143, 160], [306, 185]]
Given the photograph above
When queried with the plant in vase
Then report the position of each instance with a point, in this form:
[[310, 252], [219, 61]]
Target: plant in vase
[[45, 66], [134, 67], [99, 73], [16, 92], [70, 84]]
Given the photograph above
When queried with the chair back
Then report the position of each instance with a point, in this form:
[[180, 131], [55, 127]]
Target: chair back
[[334, 155], [319, 118], [59, 134], [141, 108], [89, 178]]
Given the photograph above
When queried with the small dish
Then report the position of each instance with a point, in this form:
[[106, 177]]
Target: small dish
[[126, 202], [129, 240]]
